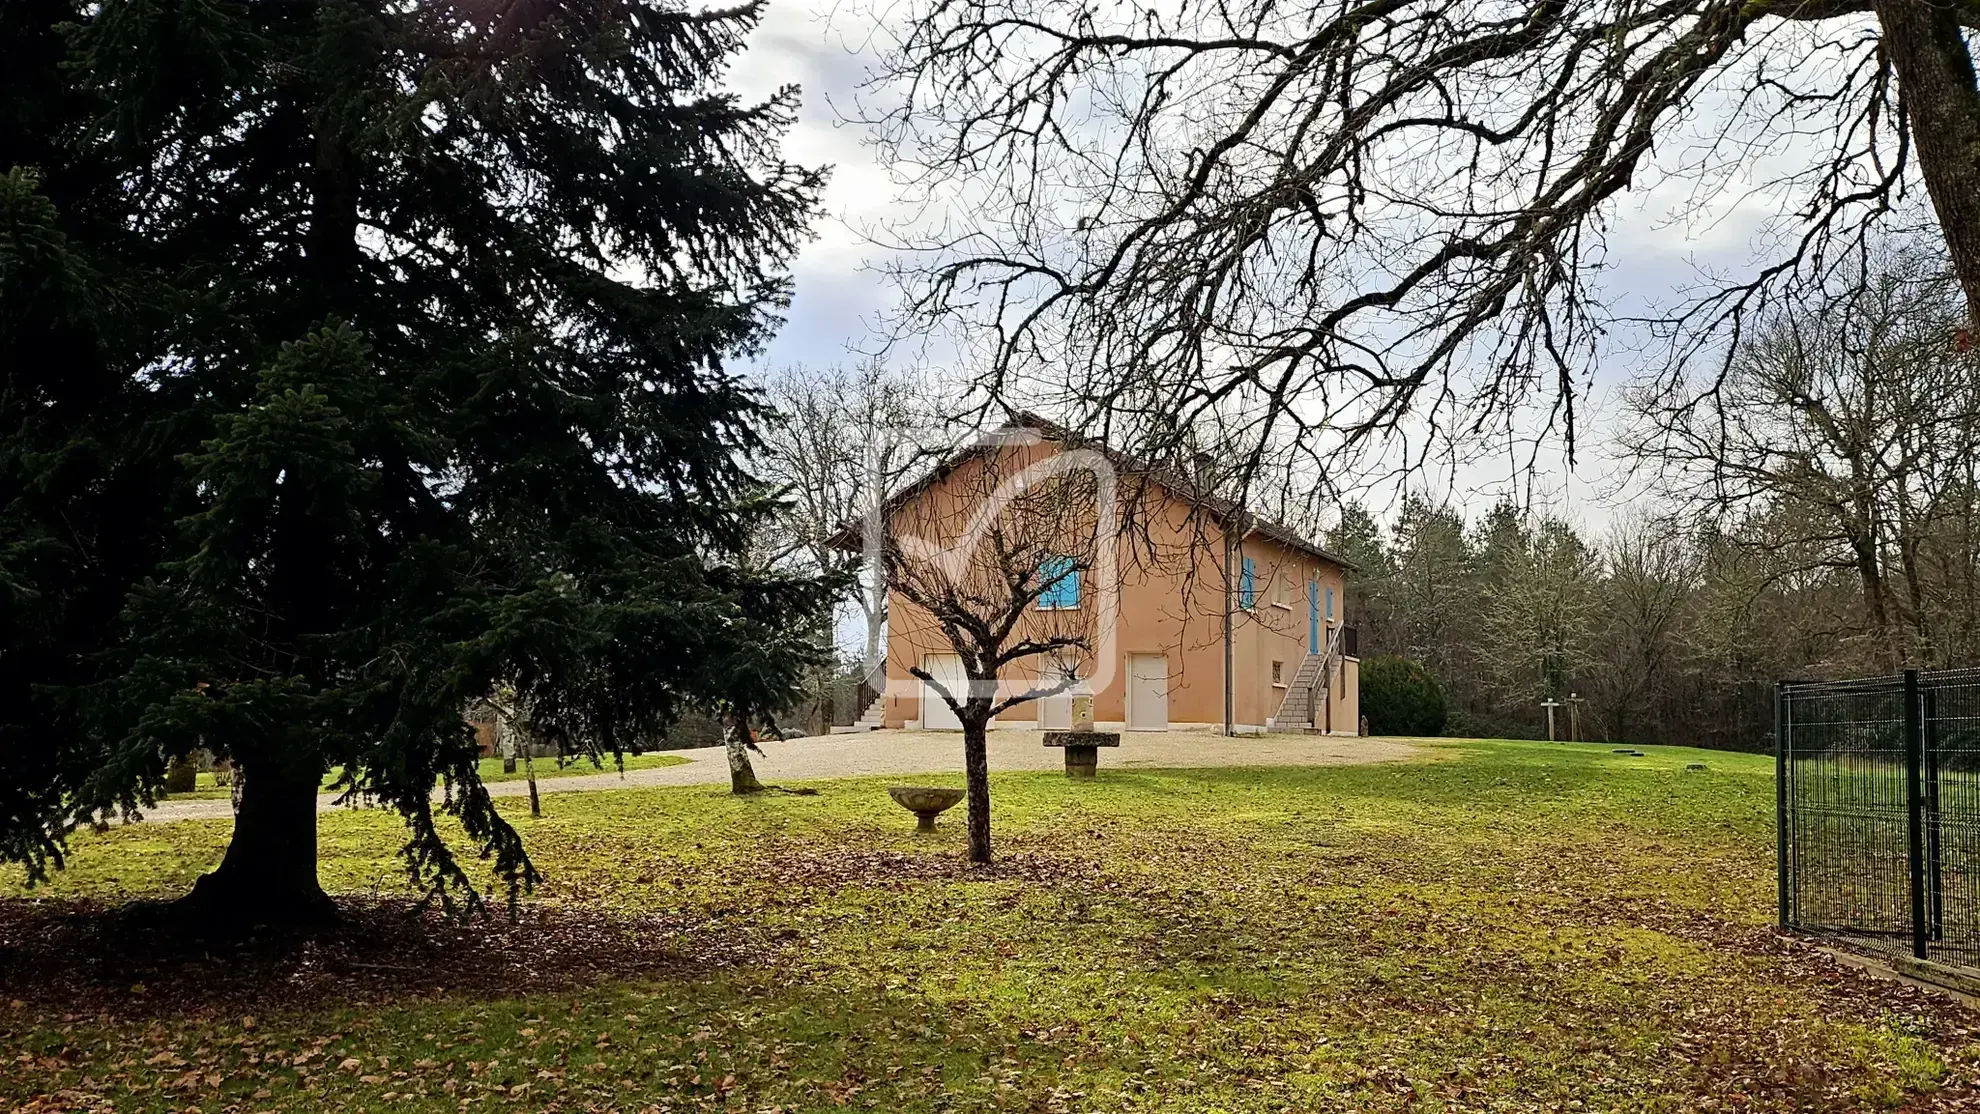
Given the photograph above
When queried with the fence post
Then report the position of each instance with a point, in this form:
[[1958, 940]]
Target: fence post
[[1914, 750], [1934, 853], [1781, 800]]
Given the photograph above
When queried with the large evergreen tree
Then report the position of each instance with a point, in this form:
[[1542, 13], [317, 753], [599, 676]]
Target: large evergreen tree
[[362, 355]]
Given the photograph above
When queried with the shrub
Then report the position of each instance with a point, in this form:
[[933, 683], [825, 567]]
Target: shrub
[[182, 775], [1399, 697]]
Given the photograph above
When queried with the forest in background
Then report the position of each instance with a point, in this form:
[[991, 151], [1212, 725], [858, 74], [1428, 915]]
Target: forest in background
[[1808, 508], [1664, 637], [1814, 515]]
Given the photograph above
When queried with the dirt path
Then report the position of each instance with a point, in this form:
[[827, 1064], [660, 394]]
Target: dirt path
[[921, 752]]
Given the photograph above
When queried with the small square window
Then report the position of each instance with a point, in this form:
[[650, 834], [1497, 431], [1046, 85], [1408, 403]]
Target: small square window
[[1059, 582], [1278, 673]]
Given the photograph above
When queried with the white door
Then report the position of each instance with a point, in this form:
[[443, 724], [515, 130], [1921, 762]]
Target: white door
[[1148, 692], [936, 715]]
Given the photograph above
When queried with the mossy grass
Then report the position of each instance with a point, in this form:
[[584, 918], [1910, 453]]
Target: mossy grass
[[1505, 926]]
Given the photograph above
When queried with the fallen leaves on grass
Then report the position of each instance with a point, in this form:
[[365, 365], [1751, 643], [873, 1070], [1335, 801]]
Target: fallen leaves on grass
[[859, 866], [1517, 932], [118, 962]]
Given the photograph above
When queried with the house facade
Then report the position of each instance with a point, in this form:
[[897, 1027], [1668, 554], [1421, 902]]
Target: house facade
[[1195, 613]]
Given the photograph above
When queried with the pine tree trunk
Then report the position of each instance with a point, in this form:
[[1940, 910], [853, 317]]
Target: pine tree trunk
[[976, 773], [742, 775], [268, 876], [1927, 48]]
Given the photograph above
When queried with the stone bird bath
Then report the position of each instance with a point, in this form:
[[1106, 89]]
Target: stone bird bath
[[925, 803]]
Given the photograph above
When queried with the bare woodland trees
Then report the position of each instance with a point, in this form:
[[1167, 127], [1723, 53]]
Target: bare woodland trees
[[848, 436], [1009, 528], [1823, 519], [1849, 428], [1648, 575], [1351, 218], [1350, 229], [1668, 634]]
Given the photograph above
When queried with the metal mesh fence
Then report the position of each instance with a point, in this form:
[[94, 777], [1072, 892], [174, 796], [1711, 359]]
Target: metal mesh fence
[[1879, 799]]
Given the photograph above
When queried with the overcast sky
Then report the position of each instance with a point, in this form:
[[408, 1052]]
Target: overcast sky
[[841, 297]]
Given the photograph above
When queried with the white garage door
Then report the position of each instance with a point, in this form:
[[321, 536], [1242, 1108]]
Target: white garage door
[[936, 715], [1148, 692]]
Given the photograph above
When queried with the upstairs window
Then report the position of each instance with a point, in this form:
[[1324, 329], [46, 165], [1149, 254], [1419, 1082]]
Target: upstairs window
[[1330, 603], [1248, 585], [1061, 581]]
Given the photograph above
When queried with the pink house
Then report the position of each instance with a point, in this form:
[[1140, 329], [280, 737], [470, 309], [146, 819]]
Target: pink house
[[1201, 615]]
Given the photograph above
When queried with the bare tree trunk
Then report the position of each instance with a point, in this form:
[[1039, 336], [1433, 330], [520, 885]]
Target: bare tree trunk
[[268, 876], [976, 775], [1942, 101], [742, 775], [1870, 572], [876, 616]]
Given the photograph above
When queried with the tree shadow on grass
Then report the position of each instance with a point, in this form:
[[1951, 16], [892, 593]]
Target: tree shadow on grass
[[135, 961]]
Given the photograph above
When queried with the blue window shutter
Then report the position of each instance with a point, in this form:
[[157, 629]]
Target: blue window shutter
[[1248, 585], [1330, 603]]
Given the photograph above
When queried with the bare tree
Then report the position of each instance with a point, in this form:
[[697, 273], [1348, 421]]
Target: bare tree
[[846, 439], [1649, 575], [975, 555], [1854, 423], [1369, 217]]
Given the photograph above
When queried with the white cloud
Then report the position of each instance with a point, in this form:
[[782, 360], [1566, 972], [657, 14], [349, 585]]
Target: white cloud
[[1660, 240]]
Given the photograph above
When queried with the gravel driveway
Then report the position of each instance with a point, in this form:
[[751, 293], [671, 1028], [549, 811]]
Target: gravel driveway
[[921, 752]]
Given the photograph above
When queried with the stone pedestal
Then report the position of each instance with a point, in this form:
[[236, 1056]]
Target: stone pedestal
[[1082, 749]]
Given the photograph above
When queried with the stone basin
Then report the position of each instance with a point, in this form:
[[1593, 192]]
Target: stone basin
[[926, 803]]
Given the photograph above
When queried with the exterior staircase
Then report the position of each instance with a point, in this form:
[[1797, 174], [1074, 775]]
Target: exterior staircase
[[1296, 710], [872, 719], [1303, 703]]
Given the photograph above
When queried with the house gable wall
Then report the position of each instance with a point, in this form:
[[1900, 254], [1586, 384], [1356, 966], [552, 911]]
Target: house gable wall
[[1170, 586]]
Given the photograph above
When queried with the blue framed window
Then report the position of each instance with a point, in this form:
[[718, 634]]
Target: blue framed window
[[1248, 585], [1330, 603], [1061, 582]]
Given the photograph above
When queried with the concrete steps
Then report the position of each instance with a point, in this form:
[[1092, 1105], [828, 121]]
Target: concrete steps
[[1296, 710], [873, 719]]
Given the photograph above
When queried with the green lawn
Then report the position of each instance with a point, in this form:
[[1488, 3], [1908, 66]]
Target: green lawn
[[1503, 927], [491, 770]]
